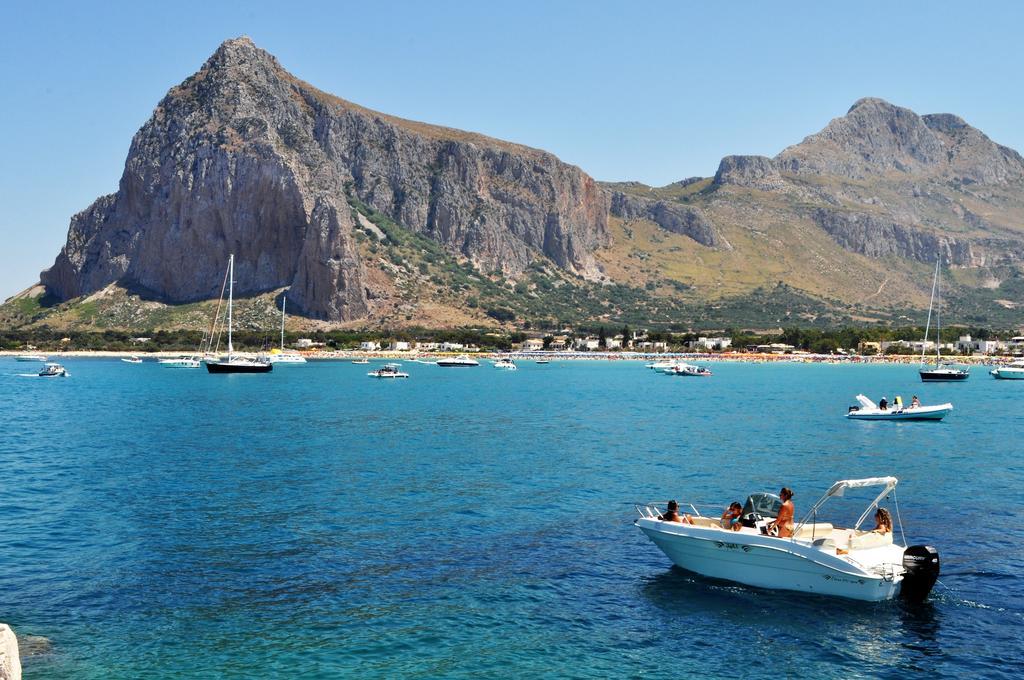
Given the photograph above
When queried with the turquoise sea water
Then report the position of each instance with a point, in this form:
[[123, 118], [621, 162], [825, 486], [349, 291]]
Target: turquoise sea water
[[478, 523]]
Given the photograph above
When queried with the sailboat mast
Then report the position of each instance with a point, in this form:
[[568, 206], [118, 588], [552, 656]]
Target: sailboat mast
[[231, 295], [938, 312], [931, 305], [284, 303]]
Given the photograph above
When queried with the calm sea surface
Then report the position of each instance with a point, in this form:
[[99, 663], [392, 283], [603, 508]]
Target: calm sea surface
[[316, 523]]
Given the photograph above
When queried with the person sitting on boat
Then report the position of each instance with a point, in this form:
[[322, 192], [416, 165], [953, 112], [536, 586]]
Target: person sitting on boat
[[883, 521], [914, 402], [883, 404], [672, 514], [731, 517], [782, 525]]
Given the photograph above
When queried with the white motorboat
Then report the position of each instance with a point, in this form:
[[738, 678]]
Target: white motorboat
[[542, 361], [31, 357], [868, 410], [131, 360], [53, 371], [506, 363], [277, 357], [388, 371], [461, 361], [819, 558], [662, 366], [360, 361], [180, 362], [1014, 371], [280, 356], [689, 370]]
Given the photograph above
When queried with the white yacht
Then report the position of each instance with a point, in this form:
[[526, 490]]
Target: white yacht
[[461, 361], [662, 366], [131, 360], [388, 371], [689, 370], [53, 371], [180, 362], [361, 361], [1014, 371], [280, 356], [819, 558], [31, 357], [506, 363], [869, 410]]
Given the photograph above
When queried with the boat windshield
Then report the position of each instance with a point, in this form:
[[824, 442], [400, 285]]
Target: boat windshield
[[764, 504]]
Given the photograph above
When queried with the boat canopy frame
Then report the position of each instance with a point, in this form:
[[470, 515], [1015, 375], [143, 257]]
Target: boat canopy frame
[[839, 488]]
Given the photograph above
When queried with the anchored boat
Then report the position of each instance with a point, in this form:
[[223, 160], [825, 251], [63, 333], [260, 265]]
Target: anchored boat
[[388, 371], [819, 558], [868, 410], [1014, 371], [942, 371]]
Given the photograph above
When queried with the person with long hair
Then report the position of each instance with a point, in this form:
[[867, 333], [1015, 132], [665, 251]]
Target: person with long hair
[[782, 526], [883, 521]]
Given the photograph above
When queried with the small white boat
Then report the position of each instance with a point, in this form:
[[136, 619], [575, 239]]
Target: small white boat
[[180, 362], [53, 371], [281, 357], [689, 370], [31, 357], [543, 361], [819, 558], [868, 410], [360, 361], [388, 371], [461, 361], [278, 357], [131, 360], [662, 366], [1014, 371], [506, 363]]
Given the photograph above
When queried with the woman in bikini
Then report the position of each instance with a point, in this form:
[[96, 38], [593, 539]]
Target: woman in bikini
[[883, 521], [784, 522]]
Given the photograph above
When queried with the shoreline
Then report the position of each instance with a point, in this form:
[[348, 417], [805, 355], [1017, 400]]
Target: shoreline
[[736, 357]]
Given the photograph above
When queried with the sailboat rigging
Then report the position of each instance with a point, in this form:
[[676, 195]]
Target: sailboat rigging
[[942, 371], [234, 363]]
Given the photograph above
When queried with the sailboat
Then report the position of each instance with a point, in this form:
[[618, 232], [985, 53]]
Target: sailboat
[[233, 363], [279, 356], [942, 371]]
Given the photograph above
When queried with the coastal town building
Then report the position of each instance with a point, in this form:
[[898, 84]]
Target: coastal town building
[[452, 347], [533, 344], [965, 344], [369, 346], [715, 344], [427, 346], [398, 346], [587, 344], [559, 342]]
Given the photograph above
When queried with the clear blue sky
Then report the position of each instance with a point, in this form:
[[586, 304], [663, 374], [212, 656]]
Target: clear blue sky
[[653, 91]]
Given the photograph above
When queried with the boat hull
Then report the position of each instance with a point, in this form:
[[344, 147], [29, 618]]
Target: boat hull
[[1008, 374], [767, 562], [933, 376], [227, 367], [919, 413]]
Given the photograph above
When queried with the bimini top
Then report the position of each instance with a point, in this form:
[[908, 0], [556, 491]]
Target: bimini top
[[840, 487]]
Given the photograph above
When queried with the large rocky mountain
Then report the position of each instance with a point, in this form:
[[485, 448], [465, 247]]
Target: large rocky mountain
[[364, 216]]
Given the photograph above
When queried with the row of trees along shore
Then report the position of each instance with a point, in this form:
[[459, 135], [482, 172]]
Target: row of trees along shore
[[806, 339]]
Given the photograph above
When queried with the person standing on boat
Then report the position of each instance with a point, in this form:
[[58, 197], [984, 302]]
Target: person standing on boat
[[783, 524], [883, 404]]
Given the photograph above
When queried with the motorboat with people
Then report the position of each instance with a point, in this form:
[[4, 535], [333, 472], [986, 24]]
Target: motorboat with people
[[388, 371], [883, 410], [361, 361], [31, 357], [461, 361], [942, 371], [820, 557], [236, 363], [131, 360], [1012, 371], [506, 363], [662, 366], [180, 362], [51, 370], [689, 370]]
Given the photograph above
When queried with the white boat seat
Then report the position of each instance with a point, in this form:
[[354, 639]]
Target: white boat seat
[[706, 522], [860, 540], [819, 530]]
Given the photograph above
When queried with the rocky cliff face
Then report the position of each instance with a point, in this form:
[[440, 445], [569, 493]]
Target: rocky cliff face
[[670, 216], [244, 158]]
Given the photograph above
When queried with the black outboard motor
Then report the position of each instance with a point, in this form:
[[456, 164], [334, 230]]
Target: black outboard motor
[[922, 570]]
